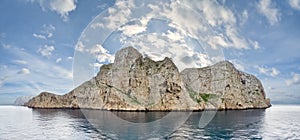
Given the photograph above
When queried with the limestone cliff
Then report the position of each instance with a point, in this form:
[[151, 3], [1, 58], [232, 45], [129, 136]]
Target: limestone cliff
[[133, 82], [222, 86]]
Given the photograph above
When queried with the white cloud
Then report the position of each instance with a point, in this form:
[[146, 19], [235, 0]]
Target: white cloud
[[295, 80], [295, 4], [237, 41], [46, 50], [20, 62], [132, 29], [209, 22], [80, 47], [70, 58], [255, 44], [58, 60], [244, 16], [97, 51], [97, 65], [61, 7], [268, 71], [268, 9], [39, 36], [45, 32], [101, 54], [204, 20], [24, 71], [118, 15], [174, 36], [218, 40], [274, 72], [169, 44]]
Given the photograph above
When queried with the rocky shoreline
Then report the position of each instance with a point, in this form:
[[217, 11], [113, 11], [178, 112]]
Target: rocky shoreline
[[137, 83]]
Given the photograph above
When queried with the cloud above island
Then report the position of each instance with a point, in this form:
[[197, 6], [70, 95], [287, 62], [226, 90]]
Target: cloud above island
[[61, 7], [269, 10], [259, 37]]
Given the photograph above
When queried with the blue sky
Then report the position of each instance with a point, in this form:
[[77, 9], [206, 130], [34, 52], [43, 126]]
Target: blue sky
[[38, 40]]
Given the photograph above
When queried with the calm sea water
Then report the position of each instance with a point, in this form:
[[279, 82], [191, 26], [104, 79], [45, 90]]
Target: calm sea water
[[277, 122]]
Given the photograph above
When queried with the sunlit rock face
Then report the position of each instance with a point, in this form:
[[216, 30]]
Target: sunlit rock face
[[134, 82], [222, 86]]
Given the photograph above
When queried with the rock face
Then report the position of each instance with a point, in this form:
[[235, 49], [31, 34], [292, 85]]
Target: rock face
[[133, 82], [222, 86], [21, 101]]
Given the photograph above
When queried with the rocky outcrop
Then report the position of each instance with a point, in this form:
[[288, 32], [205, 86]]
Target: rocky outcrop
[[133, 82], [222, 86], [21, 101]]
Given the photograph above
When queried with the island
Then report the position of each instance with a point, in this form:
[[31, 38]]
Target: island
[[136, 83]]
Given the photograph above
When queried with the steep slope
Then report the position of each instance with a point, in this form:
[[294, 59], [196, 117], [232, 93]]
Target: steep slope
[[130, 83], [223, 86], [133, 82]]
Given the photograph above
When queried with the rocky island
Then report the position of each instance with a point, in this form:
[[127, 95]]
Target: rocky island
[[137, 83]]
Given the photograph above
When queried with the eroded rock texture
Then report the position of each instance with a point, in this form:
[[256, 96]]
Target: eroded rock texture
[[133, 82]]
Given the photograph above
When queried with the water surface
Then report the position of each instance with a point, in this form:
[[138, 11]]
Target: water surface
[[277, 122]]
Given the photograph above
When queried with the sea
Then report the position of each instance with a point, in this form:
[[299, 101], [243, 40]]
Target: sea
[[276, 122]]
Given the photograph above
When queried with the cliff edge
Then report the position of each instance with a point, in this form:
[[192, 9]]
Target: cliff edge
[[136, 83]]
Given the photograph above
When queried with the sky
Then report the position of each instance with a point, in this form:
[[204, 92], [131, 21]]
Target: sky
[[53, 45]]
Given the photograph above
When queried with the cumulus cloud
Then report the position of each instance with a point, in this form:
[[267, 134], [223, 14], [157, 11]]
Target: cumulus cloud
[[169, 44], [24, 71], [119, 14], [101, 54], [268, 71], [61, 7], [58, 60], [181, 29], [46, 50], [133, 29], [97, 51], [295, 80], [45, 32], [268, 9]]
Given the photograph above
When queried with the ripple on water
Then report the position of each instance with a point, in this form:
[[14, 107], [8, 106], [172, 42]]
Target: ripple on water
[[277, 122]]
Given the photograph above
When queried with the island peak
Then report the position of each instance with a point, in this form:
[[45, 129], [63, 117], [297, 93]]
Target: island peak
[[133, 82]]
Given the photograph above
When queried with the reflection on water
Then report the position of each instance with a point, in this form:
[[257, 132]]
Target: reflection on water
[[277, 122], [225, 125], [151, 124], [140, 117]]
